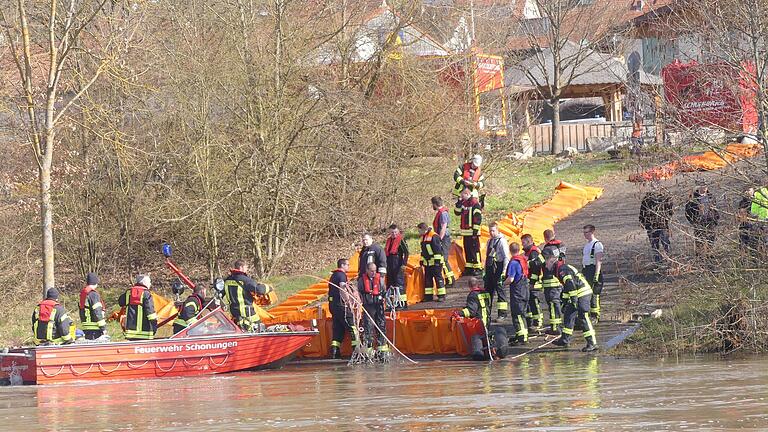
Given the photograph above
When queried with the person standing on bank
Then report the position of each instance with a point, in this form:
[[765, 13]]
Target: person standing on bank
[[441, 227], [468, 208], [92, 318], [396, 250], [701, 212], [341, 310], [656, 211], [432, 263], [591, 268], [519, 292], [469, 176], [496, 260], [371, 253]]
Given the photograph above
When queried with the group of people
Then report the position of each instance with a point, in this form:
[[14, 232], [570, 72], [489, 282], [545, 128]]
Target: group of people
[[515, 276], [701, 211], [51, 324]]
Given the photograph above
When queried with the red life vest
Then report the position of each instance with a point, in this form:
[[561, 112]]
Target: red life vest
[[466, 212], [533, 249], [84, 294], [392, 245], [436, 221], [554, 242], [46, 308], [466, 175], [376, 289], [523, 264], [137, 295]]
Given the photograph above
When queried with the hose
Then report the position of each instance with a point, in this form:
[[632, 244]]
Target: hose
[[360, 305]]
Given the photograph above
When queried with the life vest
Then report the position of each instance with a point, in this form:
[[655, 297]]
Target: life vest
[[436, 221], [137, 295], [392, 245], [528, 252], [376, 289], [523, 264], [84, 295], [467, 169], [46, 310], [554, 242]]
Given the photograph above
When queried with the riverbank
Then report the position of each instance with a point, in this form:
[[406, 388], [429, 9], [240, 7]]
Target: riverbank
[[511, 186]]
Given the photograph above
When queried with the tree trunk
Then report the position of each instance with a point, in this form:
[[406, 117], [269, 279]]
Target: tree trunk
[[46, 220], [557, 144]]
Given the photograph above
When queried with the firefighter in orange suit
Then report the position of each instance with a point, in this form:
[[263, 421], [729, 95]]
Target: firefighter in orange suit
[[468, 208]]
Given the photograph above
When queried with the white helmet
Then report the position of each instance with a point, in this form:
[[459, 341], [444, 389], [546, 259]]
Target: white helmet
[[477, 160]]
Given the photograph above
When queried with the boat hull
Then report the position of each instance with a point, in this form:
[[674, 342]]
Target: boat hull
[[151, 359]]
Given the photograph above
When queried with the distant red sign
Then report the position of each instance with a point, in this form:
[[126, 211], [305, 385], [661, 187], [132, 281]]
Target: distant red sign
[[489, 72], [712, 95]]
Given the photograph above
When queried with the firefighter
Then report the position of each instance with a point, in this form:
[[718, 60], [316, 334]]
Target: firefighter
[[551, 285], [478, 306], [496, 260], [341, 309], [50, 322], [371, 288], [577, 294], [371, 253], [92, 319], [441, 226], [191, 308], [396, 250], [591, 268], [470, 176], [468, 208], [519, 292], [534, 315], [240, 291], [432, 262], [140, 316]]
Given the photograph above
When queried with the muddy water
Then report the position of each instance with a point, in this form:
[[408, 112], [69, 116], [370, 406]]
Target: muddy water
[[536, 393]]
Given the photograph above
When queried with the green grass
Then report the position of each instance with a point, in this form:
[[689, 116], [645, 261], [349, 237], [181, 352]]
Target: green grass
[[519, 185]]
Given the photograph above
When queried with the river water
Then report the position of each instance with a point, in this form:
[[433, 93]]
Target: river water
[[538, 392]]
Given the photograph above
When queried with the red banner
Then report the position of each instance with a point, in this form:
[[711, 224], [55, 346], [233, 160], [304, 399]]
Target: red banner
[[489, 72], [712, 95]]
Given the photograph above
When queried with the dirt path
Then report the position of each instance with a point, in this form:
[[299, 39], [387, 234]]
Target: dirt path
[[633, 285]]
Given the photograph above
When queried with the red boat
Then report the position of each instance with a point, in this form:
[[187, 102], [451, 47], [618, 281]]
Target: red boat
[[213, 345]]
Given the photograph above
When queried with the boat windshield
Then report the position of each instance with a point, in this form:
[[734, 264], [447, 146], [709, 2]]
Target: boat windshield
[[215, 323]]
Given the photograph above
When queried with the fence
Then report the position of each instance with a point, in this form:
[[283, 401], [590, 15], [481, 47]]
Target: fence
[[572, 134]]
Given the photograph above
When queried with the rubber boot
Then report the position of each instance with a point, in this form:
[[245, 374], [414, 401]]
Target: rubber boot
[[553, 331], [428, 298], [441, 298], [501, 319], [335, 352], [561, 342], [591, 346]]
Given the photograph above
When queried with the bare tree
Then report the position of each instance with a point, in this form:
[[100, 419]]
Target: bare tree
[[560, 47], [44, 42]]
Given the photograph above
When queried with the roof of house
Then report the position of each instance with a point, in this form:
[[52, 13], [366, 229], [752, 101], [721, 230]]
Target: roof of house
[[586, 67]]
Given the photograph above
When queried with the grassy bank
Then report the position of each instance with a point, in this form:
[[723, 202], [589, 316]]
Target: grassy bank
[[720, 312], [511, 186]]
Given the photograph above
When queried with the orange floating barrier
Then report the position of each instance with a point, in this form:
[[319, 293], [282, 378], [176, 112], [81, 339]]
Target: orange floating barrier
[[707, 161], [431, 331]]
